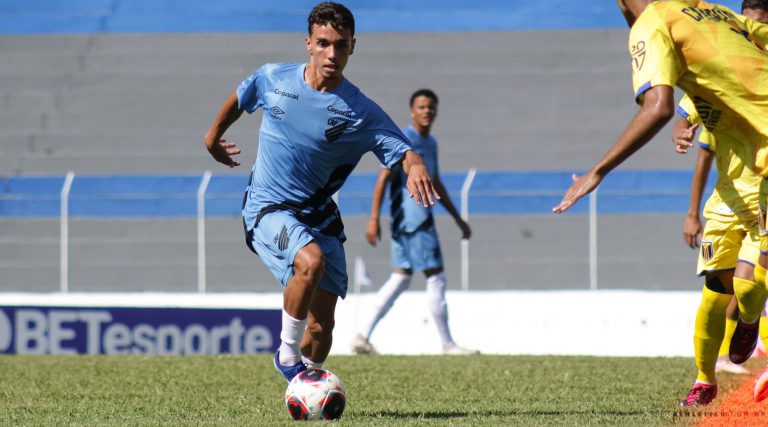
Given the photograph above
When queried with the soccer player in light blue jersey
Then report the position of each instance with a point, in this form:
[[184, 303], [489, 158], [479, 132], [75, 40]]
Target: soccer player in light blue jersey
[[316, 127], [415, 245]]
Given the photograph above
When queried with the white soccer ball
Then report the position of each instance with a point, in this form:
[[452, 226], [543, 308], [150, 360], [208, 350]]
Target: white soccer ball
[[315, 394]]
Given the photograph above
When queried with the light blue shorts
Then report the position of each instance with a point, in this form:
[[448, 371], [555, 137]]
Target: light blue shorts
[[278, 238], [417, 251]]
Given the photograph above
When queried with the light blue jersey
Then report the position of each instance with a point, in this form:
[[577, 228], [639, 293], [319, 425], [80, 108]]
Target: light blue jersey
[[309, 143], [406, 215]]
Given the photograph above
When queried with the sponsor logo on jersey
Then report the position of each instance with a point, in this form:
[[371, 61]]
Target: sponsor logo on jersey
[[347, 114], [715, 14], [287, 94], [710, 115]]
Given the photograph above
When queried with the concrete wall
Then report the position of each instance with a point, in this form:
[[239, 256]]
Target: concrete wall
[[139, 104]]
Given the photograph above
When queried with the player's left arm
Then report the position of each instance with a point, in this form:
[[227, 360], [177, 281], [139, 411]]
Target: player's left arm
[[445, 200], [657, 109], [757, 30], [420, 186]]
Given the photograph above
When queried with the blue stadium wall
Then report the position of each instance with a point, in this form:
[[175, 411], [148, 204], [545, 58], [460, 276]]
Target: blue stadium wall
[[491, 193], [189, 16]]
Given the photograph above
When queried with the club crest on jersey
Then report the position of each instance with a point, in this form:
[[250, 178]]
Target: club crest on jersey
[[281, 239], [337, 128], [707, 250]]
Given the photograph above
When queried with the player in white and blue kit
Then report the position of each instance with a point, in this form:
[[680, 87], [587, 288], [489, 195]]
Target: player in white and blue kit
[[415, 245], [316, 127]]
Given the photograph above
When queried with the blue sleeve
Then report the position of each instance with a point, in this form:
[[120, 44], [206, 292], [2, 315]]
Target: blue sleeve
[[248, 93], [390, 144], [390, 149]]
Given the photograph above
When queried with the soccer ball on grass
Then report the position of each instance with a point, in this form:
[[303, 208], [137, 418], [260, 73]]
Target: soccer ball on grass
[[315, 394]]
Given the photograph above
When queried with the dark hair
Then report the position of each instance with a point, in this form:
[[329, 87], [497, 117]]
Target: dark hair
[[754, 4], [332, 13], [423, 92]]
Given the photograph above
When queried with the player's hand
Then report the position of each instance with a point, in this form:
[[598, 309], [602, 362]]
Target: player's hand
[[692, 231], [420, 186], [582, 185], [223, 151], [683, 138], [373, 232], [466, 232]]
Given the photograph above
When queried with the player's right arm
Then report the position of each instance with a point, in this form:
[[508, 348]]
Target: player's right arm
[[657, 109], [656, 69], [220, 149], [373, 230]]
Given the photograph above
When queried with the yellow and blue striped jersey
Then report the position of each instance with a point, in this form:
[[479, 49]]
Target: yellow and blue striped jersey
[[713, 54]]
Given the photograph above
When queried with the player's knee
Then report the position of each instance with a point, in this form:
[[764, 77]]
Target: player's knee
[[402, 281], [309, 262], [714, 284], [436, 289]]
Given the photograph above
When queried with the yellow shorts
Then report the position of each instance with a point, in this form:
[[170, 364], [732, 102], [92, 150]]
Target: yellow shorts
[[723, 244]]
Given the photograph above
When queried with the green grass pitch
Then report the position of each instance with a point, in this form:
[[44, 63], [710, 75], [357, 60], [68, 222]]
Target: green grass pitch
[[382, 390]]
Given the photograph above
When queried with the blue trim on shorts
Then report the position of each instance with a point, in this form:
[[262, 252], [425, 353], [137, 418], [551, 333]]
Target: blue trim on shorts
[[746, 262]]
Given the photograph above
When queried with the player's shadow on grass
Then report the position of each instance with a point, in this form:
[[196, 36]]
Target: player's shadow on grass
[[442, 415]]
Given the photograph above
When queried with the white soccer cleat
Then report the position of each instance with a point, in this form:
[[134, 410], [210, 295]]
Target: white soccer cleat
[[457, 350], [361, 345], [725, 365]]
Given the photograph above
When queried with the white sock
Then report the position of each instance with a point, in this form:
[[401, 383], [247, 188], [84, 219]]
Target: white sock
[[310, 364], [438, 306], [290, 335], [385, 298]]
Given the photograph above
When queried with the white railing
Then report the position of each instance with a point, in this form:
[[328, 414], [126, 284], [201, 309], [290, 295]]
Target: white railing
[[465, 216], [593, 240], [201, 232], [64, 233]]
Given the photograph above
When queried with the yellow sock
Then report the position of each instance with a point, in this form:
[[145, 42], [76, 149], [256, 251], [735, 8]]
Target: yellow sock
[[730, 326], [751, 296], [709, 331]]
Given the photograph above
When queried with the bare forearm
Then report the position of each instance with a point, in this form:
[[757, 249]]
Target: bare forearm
[[411, 159], [699, 181], [227, 115], [378, 193], [656, 111]]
